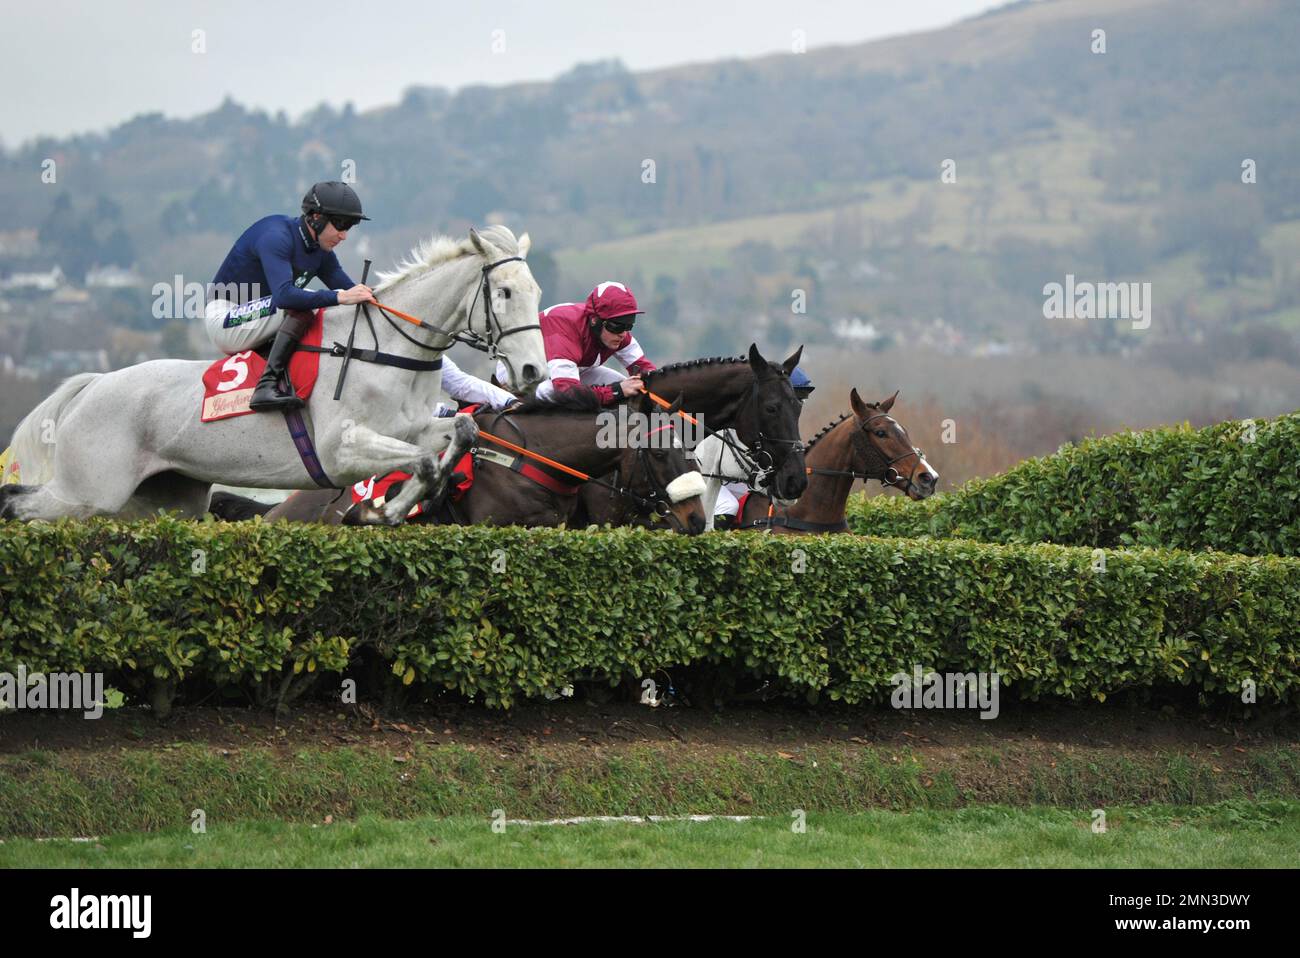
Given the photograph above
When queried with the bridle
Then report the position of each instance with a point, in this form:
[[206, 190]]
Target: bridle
[[493, 332], [877, 466], [758, 473], [486, 342], [658, 501]]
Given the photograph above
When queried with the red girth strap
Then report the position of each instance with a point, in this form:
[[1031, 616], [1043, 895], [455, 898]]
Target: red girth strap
[[545, 480]]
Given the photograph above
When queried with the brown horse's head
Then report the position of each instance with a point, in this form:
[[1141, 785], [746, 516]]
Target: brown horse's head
[[655, 469], [882, 449]]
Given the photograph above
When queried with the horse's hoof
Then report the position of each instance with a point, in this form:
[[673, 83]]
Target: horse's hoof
[[466, 429]]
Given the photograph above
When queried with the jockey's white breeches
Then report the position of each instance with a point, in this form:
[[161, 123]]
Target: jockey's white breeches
[[234, 328]]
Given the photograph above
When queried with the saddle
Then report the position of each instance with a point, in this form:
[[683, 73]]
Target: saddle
[[229, 382]]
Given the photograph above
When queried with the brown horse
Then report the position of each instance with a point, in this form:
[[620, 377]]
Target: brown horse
[[509, 489], [866, 443], [747, 394]]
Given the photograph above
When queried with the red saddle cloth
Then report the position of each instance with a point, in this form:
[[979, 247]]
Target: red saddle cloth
[[740, 511], [376, 489], [228, 383]]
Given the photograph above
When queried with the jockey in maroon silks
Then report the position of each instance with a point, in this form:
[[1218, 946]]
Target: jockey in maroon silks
[[580, 337]]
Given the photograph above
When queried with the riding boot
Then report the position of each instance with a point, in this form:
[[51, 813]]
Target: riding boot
[[269, 396]]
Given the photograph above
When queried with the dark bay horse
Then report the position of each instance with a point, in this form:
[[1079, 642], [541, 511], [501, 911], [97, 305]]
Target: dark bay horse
[[866, 443], [748, 394], [509, 489]]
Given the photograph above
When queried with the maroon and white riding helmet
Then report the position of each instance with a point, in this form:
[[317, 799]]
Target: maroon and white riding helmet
[[611, 300]]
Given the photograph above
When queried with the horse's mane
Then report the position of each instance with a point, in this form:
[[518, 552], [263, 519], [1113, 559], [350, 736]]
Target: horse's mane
[[439, 249], [693, 364], [825, 429]]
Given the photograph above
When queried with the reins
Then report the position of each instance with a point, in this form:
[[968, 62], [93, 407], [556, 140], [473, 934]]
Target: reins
[[756, 474], [486, 342], [583, 477]]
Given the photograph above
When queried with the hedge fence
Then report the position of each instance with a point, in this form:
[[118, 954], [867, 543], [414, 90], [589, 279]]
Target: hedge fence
[[1232, 487], [501, 615]]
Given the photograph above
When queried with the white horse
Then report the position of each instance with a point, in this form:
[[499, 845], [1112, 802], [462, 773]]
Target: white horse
[[130, 441]]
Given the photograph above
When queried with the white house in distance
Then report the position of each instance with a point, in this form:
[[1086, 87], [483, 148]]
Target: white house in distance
[[111, 277], [46, 282]]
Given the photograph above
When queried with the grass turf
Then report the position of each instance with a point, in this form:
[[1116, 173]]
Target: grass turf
[[1232, 834], [58, 793]]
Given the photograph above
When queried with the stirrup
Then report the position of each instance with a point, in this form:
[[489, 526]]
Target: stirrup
[[267, 398]]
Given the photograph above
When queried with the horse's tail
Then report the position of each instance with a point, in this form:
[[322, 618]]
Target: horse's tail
[[29, 450], [233, 508]]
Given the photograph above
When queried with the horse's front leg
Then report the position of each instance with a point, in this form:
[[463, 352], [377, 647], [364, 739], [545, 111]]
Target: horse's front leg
[[377, 453], [367, 452], [432, 472]]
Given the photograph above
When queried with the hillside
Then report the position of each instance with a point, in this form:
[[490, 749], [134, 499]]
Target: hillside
[[817, 171]]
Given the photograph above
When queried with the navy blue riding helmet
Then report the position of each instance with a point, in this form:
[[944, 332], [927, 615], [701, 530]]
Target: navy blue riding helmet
[[801, 383]]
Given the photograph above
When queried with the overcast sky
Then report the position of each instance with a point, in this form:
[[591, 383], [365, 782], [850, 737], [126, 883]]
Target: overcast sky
[[72, 67]]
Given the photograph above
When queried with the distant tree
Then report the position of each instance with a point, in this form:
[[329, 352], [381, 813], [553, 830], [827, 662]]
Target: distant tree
[[107, 211], [474, 197], [1232, 249], [60, 225], [1224, 226], [68, 239], [663, 305], [1119, 248], [759, 255], [546, 271], [117, 249], [1022, 267], [176, 340], [127, 308]]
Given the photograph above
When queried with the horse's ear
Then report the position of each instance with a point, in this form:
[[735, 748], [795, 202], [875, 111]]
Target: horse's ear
[[525, 244], [888, 404], [480, 244], [756, 360], [676, 407], [858, 406], [793, 361]]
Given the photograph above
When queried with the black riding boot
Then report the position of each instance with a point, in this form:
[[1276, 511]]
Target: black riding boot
[[269, 396]]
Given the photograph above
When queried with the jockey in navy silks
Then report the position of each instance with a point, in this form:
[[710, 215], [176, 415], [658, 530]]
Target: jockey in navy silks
[[580, 337], [259, 291]]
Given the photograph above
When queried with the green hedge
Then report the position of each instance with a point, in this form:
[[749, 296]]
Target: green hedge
[[132, 600], [1179, 488]]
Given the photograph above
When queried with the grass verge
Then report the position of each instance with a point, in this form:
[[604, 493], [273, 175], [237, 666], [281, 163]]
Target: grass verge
[[1236, 834], [53, 793]]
